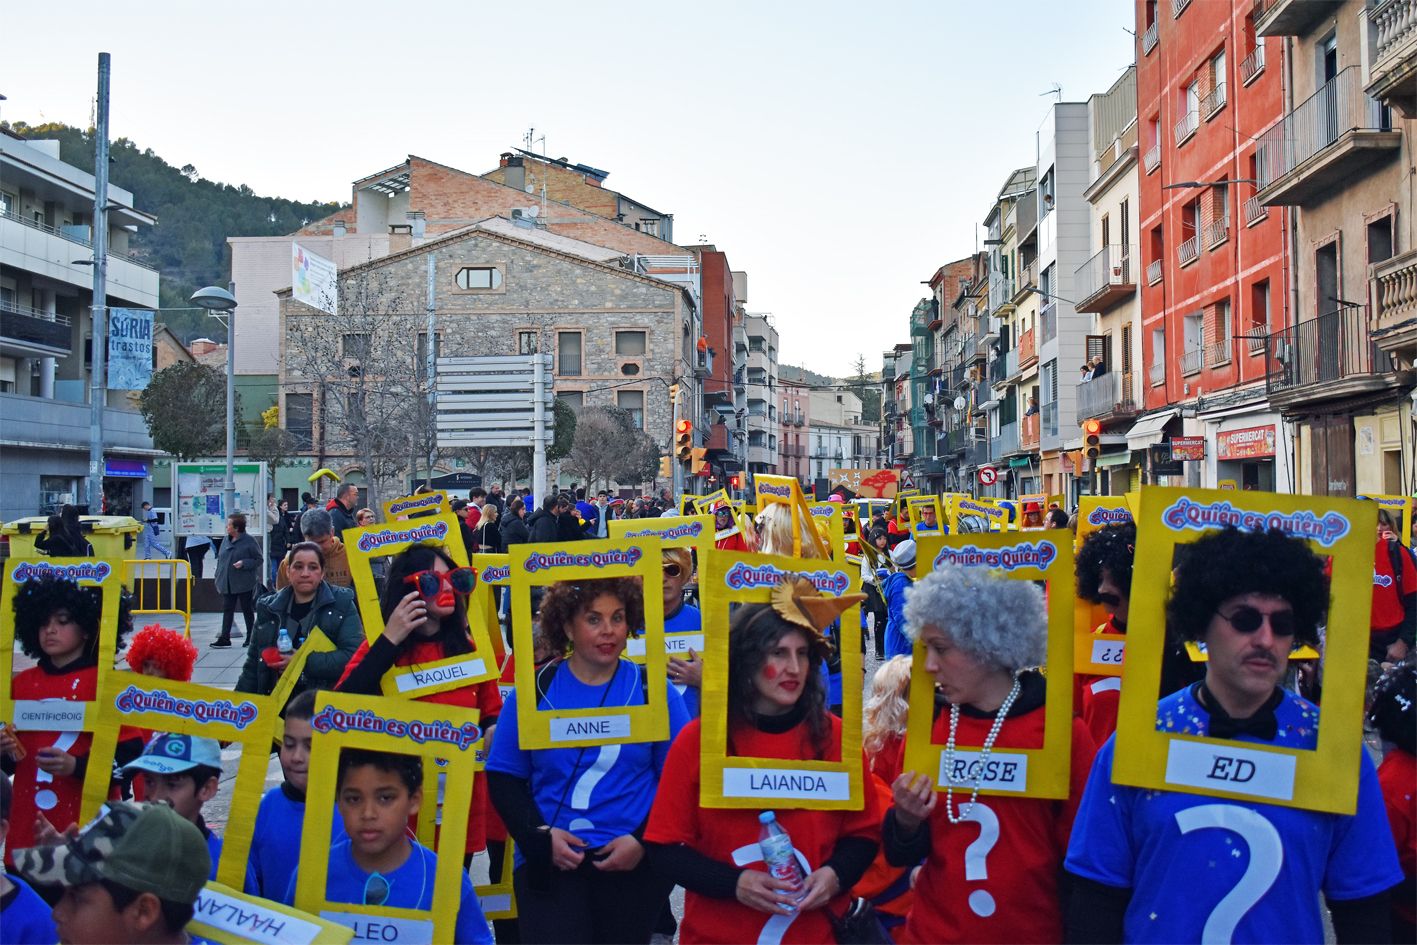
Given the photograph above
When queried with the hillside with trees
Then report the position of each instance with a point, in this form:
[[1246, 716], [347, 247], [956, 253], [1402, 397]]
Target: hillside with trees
[[194, 217]]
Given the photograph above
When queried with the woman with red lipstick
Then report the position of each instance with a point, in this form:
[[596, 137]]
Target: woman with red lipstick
[[577, 814], [425, 620], [776, 709]]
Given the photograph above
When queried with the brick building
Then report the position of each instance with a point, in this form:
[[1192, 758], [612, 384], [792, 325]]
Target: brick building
[[578, 185], [795, 416]]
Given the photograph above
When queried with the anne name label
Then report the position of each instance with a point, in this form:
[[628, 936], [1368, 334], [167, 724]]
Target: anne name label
[[50, 715], [996, 771], [415, 679], [786, 783], [590, 726], [251, 921], [378, 928], [1228, 767]]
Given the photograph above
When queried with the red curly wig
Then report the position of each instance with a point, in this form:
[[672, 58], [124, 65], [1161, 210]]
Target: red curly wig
[[168, 648]]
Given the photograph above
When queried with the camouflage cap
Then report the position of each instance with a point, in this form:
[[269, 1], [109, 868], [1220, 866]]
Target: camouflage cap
[[143, 847]]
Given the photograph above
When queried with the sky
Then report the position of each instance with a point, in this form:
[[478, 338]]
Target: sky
[[838, 152]]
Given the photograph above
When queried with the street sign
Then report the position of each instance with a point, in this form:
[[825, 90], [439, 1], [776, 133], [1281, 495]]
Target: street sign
[[988, 475], [487, 402]]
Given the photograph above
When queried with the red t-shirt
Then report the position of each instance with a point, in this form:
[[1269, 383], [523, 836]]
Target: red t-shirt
[[734, 542], [731, 836], [472, 516], [1024, 862], [885, 764], [1099, 696], [62, 796], [1387, 606], [483, 696], [1397, 776]]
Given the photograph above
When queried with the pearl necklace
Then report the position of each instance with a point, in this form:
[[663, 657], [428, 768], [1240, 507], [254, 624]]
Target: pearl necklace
[[984, 751]]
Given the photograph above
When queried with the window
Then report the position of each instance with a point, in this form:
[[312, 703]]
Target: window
[[1124, 219], [422, 352], [1106, 231], [575, 399], [1380, 239], [1259, 308], [756, 343], [1126, 352], [299, 418], [1046, 196], [630, 344], [1158, 356], [355, 345], [479, 277], [527, 342], [632, 401], [7, 203], [568, 353], [1326, 283]]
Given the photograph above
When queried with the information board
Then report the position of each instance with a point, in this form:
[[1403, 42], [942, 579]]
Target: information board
[[198, 508]]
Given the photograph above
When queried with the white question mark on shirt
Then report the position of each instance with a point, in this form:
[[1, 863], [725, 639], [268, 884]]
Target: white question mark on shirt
[[46, 799], [585, 784], [976, 855], [1266, 858], [776, 925]]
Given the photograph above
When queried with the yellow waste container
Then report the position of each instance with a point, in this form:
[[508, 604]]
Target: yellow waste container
[[112, 536]]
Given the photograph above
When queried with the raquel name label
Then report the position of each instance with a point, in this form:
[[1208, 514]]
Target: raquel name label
[[415, 679], [675, 644], [378, 928], [996, 771], [1108, 652], [590, 726], [251, 921], [1229, 767], [50, 715], [785, 782]]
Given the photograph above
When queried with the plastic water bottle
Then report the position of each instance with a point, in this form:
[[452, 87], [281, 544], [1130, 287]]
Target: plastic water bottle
[[778, 855], [283, 644]]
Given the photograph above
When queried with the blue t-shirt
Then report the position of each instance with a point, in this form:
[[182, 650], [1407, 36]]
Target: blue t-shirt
[[410, 887], [686, 620], [275, 842], [1182, 875], [607, 790], [893, 590], [213, 846], [25, 919]]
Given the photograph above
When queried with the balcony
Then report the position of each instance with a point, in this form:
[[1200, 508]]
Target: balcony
[[1178, 6], [51, 251], [1255, 212], [1001, 294], [1392, 26], [1108, 397], [703, 362], [1334, 133], [998, 371], [1152, 159], [1192, 361], [1027, 282], [1153, 272], [1218, 353], [1187, 126], [761, 456], [1025, 218], [1252, 65], [1149, 38], [1394, 293], [1007, 440], [1255, 340], [1213, 102], [1189, 250], [954, 442], [1156, 374], [1028, 432], [65, 425], [1010, 364], [1216, 232], [1027, 349], [30, 333], [1329, 356], [1291, 17], [1104, 280]]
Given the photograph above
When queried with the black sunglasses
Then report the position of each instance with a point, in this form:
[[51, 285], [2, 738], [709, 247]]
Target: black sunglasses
[[672, 569], [1247, 619]]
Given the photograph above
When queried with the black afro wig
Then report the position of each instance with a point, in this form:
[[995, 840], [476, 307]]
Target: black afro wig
[[1111, 548], [38, 598], [1391, 711]]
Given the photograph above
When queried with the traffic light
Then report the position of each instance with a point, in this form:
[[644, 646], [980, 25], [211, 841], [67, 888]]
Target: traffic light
[[698, 461], [684, 440], [1092, 438], [673, 393], [735, 483], [666, 470]]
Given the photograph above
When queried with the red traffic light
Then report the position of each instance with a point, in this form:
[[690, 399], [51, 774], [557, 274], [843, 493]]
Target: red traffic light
[[1092, 427], [683, 427]]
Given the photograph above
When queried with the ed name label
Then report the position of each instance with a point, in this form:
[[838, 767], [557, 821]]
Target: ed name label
[[590, 726], [997, 771], [1226, 767], [426, 678], [786, 783], [378, 928], [50, 715]]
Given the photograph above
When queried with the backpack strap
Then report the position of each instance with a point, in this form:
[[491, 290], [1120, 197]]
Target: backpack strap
[[1395, 552], [544, 677]]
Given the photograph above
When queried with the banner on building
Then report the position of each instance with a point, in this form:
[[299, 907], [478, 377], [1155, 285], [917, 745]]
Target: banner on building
[[1187, 448], [314, 280], [1249, 443], [130, 348]]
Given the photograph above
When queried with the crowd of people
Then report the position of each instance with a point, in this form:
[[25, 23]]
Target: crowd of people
[[603, 834]]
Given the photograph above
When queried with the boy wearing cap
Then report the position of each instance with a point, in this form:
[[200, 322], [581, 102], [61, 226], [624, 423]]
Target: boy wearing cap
[[132, 876], [185, 772], [24, 917]]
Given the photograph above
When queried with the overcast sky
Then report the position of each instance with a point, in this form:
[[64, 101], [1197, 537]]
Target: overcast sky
[[839, 152]]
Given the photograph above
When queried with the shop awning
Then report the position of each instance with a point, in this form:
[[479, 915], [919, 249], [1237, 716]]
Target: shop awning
[[1149, 429], [1115, 459]]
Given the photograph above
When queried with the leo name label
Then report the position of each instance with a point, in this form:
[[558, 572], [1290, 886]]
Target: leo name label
[[416, 679], [675, 644], [997, 771], [50, 715], [786, 782], [1108, 652], [378, 928], [1230, 768], [250, 921], [590, 726]]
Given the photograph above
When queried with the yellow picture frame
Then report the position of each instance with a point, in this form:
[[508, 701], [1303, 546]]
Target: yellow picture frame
[[1402, 505], [417, 505], [1033, 772], [430, 731], [996, 515], [543, 565], [834, 515], [754, 783], [229, 916], [786, 490], [1322, 779], [695, 532], [913, 506], [499, 900], [1097, 654]]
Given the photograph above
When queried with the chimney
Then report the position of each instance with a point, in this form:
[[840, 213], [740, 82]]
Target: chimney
[[417, 220], [400, 237], [339, 228]]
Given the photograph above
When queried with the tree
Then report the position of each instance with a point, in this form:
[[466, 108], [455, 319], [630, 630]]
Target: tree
[[565, 436], [184, 407], [866, 388], [608, 445], [273, 446]]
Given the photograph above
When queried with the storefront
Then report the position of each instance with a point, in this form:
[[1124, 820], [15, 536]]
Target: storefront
[[1245, 457], [123, 485]]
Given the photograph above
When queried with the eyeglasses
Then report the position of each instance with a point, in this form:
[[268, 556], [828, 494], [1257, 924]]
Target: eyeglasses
[[1247, 619], [672, 570], [376, 890], [429, 583]]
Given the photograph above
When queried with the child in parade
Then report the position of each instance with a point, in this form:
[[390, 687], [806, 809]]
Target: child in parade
[[1393, 715], [161, 653], [183, 771], [1104, 576], [687, 672], [375, 862], [577, 814], [984, 638], [777, 709], [24, 916]]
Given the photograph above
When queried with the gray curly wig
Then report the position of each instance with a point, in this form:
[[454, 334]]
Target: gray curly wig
[[997, 621]]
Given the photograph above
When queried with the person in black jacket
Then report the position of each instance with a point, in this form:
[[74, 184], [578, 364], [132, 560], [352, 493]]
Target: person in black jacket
[[342, 509], [513, 524], [542, 524], [568, 525], [58, 542]]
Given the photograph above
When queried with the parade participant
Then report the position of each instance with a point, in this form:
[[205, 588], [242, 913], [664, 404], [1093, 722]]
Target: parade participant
[[131, 876], [425, 620], [1138, 873], [1032, 517], [929, 522], [238, 572], [304, 605], [315, 526], [777, 708], [57, 625], [1056, 518], [1394, 619], [1104, 576], [161, 652], [723, 524], [894, 589], [581, 873], [24, 917], [378, 565], [682, 617], [884, 715], [376, 863], [1392, 715], [775, 538], [983, 636], [185, 772]]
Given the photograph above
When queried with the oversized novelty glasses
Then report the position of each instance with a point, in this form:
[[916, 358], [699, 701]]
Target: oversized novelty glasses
[[1247, 619], [430, 583], [672, 570]]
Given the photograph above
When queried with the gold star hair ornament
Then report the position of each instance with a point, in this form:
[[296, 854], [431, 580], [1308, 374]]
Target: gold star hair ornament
[[798, 601]]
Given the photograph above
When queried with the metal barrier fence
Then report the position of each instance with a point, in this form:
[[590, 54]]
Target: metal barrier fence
[[161, 586]]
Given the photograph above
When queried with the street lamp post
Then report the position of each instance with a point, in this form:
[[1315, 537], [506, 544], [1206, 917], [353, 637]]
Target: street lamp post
[[217, 300]]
